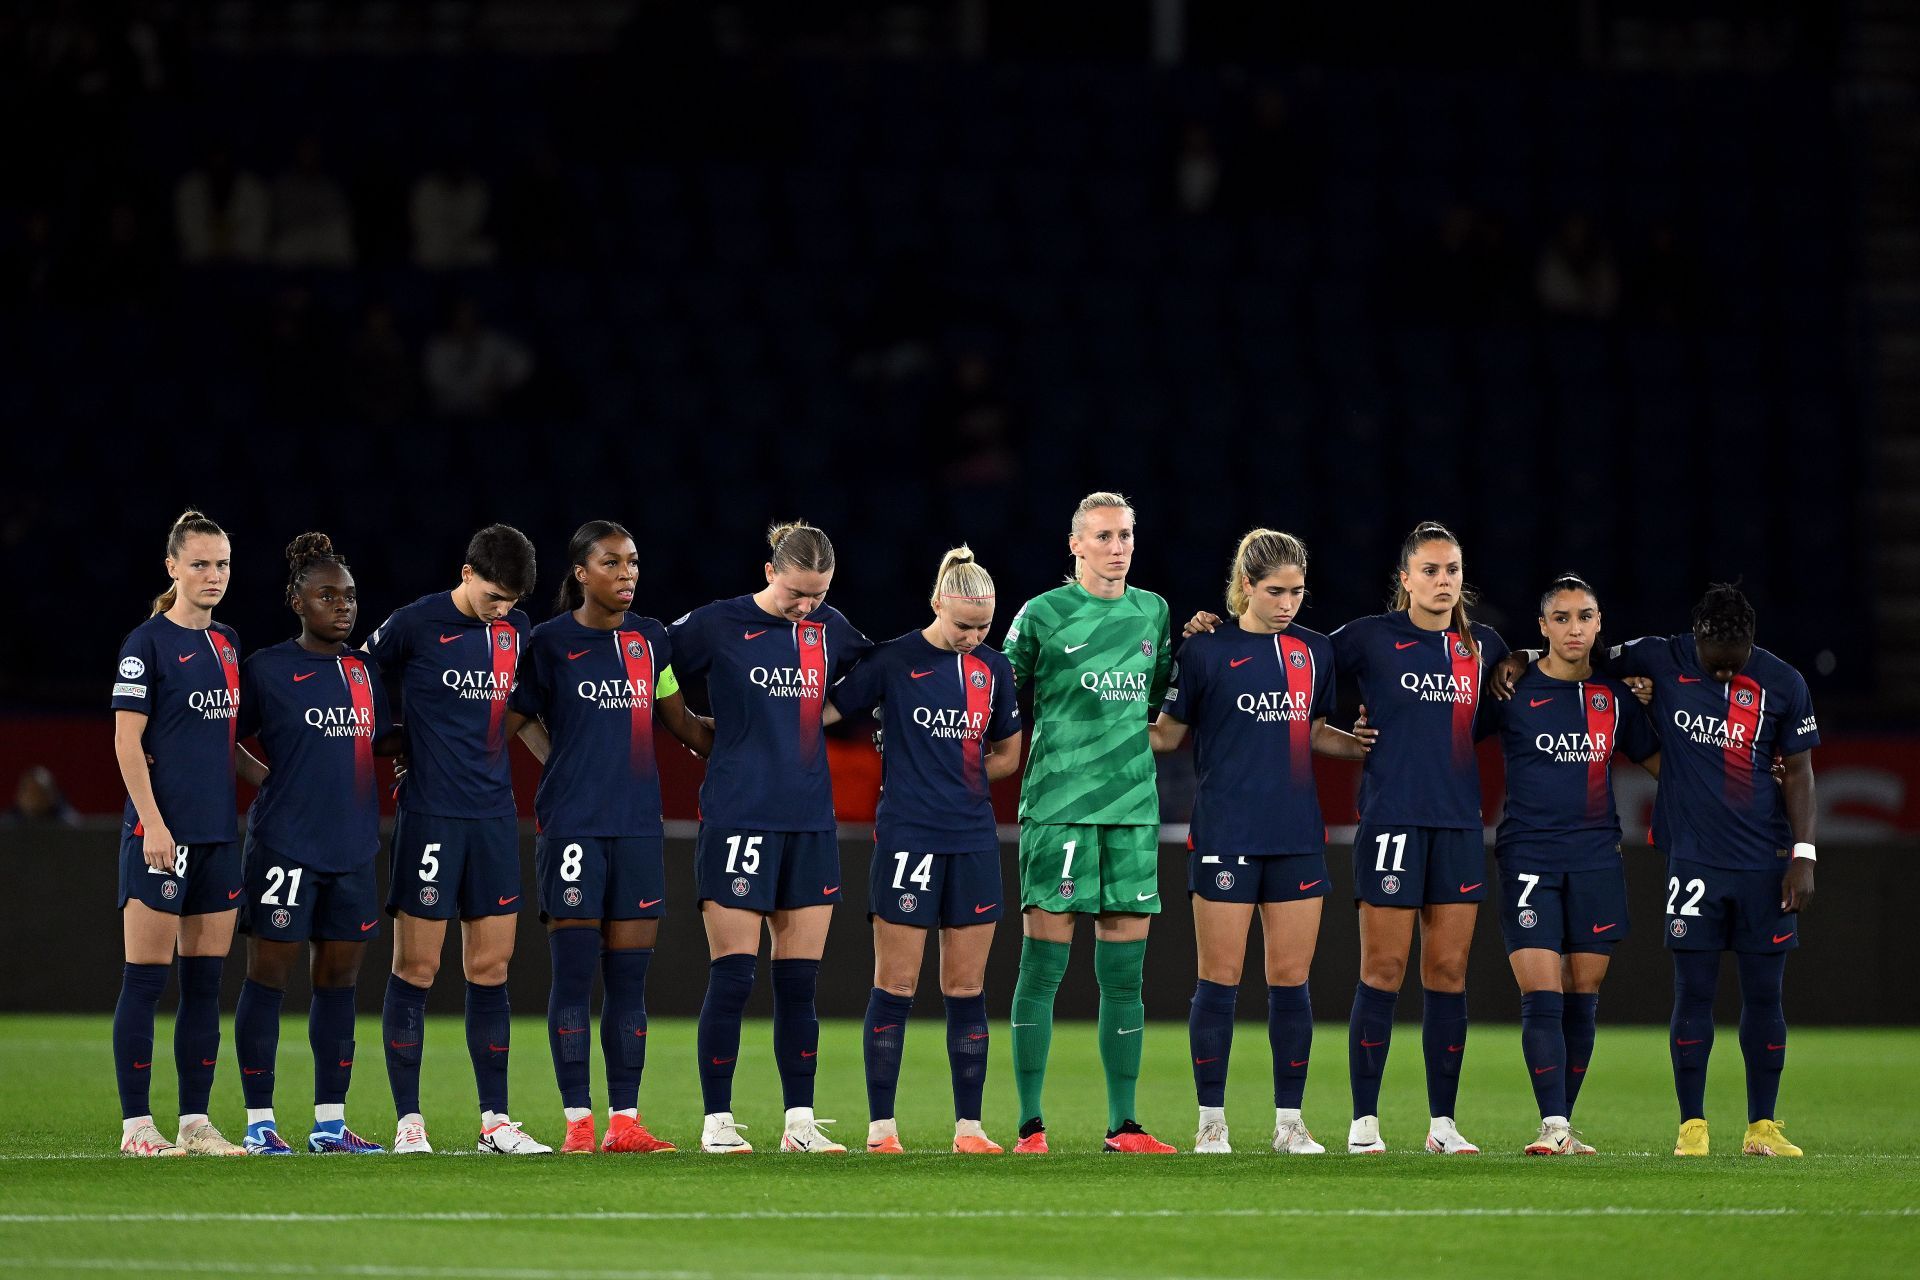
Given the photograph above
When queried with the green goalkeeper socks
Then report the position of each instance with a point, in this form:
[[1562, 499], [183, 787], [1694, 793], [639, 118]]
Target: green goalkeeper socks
[[1123, 1018], [1042, 965]]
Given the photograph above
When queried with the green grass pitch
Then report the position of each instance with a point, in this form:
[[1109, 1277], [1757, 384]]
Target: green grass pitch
[[1852, 1208]]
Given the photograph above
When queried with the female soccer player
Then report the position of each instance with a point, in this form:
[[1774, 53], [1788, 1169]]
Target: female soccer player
[[598, 676], [1097, 654], [455, 847], [1563, 888], [320, 713], [767, 849], [951, 727], [1259, 694], [1729, 707], [174, 698]]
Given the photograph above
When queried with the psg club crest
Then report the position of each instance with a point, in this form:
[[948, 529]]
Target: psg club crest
[[909, 903], [1297, 659], [281, 918], [635, 649], [1529, 918], [1066, 888], [359, 676], [571, 895], [1743, 696], [1678, 928], [1460, 649], [132, 668], [1389, 884], [1146, 647], [810, 635], [978, 679], [1598, 702], [1223, 880], [169, 889], [226, 653], [741, 886], [428, 895], [505, 641]]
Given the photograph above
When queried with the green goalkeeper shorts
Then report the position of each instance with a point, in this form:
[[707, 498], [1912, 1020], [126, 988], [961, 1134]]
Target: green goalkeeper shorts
[[1073, 867]]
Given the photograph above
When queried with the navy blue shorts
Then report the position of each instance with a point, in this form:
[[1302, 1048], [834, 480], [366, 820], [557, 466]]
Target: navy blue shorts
[[1233, 878], [1398, 866], [448, 867], [288, 901], [766, 870], [1564, 911], [927, 889], [600, 877], [1716, 909], [203, 878]]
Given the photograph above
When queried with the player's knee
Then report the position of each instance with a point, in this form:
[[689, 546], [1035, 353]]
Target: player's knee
[[898, 985], [1383, 973], [1224, 973], [1443, 972], [960, 990], [418, 971], [486, 971], [335, 971], [1287, 974]]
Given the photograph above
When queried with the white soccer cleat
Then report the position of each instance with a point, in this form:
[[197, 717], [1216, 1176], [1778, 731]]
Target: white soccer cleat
[[202, 1139], [145, 1140], [720, 1135], [1445, 1139], [804, 1134], [1211, 1140], [1363, 1137], [1577, 1147], [1290, 1136], [505, 1137], [1555, 1139], [410, 1138]]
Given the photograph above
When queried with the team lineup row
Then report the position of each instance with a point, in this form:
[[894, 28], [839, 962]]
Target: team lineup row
[[1727, 727]]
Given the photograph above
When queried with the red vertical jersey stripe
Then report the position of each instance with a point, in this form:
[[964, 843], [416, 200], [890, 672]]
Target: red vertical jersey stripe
[[1746, 701], [503, 642], [976, 682], [1602, 724], [229, 661], [1296, 664], [1466, 682], [636, 655], [810, 651], [359, 682]]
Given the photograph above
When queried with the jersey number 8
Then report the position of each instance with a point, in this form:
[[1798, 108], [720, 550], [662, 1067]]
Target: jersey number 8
[[570, 862]]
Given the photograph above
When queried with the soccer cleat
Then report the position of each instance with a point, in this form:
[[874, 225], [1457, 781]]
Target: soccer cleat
[[979, 1144], [325, 1140], [1577, 1147], [1034, 1144], [888, 1145], [205, 1140], [627, 1136], [264, 1140], [805, 1136], [1131, 1140], [1363, 1137], [1764, 1138], [1290, 1138], [1445, 1139], [580, 1137], [1211, 1140], [1692, 1140], [410, 1139], [720, 1135], [504, 1137], [148, 1141], [1555, 1139]]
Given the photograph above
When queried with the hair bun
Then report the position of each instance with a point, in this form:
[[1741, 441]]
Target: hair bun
[[309, 546]]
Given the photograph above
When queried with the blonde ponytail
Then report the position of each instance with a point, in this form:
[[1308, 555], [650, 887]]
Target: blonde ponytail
[[961, 576], [189, 523]]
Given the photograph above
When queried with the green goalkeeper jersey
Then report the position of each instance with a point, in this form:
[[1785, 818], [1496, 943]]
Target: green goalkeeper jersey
[[1098, 670]]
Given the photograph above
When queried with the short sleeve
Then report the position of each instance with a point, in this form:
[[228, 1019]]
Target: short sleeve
[[388, 644], [860, 689], [1492, 648], [692, 651], [530, 695], [1637, 737], [1634, 658], [246, 722], [134, 680], [665, 682], [1162, 660], [382, 706], [1325, 680], [1800, 731], [1182, 685], [1021, 645], [1003, 719], [1349, 649], [850, 644]]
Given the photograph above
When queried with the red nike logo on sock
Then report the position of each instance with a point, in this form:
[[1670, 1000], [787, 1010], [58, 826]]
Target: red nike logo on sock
[[253, 1071], [1540, 1071], [1371, 1044], [1688, 1042], [642, 1031], [1455, 1048], [1579, 1071], [719, 1062], [141, 1066], [570, 1031], [411, 1044], [1773, 1047], [890, 1026], [1201, 1062], [1301, 1063], [805, 1054], [497, 1048], [345, 1063], [208, 1062], [976, 1035]]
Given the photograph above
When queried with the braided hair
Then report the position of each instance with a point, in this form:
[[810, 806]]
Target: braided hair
[[304, 553], [1723, 615]]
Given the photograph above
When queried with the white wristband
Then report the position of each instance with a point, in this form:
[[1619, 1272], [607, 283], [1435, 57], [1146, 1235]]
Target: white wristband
[[1804, 851]]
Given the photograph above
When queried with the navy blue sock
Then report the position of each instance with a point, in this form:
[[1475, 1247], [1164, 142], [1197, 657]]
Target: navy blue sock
[[330, 1036], [1369, 1037], [623, 1024], [575, 954], [796, 1028], [1210, 1037], [196, 1031], [1695, 976], [729, 983], [883, 1040], [489, 1037], [140, 989], [1577, 1028], [967, 1053], [256, 1040], [1290, 1035], [1763, 1030], [1543, 1045], [403, 1026], [1443, 1037]]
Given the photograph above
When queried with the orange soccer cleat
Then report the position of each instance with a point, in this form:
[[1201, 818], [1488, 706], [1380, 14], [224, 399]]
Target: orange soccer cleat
[[888, 1145], [579, 1137], [1131, 1139], [626, 1135], [1034, 1144], [979, 1144]]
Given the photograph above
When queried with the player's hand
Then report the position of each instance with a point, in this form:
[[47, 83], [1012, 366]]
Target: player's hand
[[157, 847], [1500, 680], [1367, 734], [1796, 891], [1779, 771], [879, 741], [1642, 689], [1201, 621], [399, 767]]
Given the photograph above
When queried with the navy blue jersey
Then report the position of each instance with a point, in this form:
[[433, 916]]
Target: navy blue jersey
[[1718, 804], [316, 715], [767, 679], [1252, 700], [186, 682], [455, 676], [595, 691], [1560, 738], [938, 710], [1422, 691]]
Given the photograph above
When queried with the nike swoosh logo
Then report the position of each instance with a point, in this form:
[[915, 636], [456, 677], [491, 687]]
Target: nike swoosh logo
[[141, 1066], [1075, 648], [889, 1027], [1292, 1063], [976, 1035], [368, 925], [1308, 884], [1469, 888], [570, 1031], [575, 657], [1686, 1042], [411, 1044], [980, 910], [496, 1048], [1130, 1031], [450, 639], [1370, 1044], [1538, 702], [1775, 1047], [644, 903], [188, 657], [751, 635], [507, 902], [1142, 897], [1540, 1071], [832, 888], [719, 1062], [1688, 679], [1779, 938], [641, 1032], [1455, 1048], [253, 1071], [1405, 644], [1602, 928], [1201, 1062], [919, 675], [237, 892], [306, 676], [1026, 1024], [345, 1063], [208, 1062], [805, 1054], [1238, 661]]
